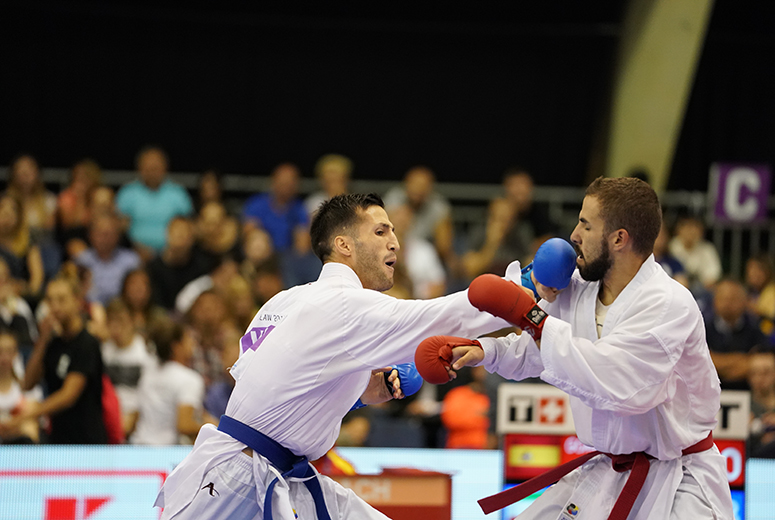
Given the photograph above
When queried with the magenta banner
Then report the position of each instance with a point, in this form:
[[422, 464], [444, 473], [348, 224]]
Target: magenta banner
[[738, 192]]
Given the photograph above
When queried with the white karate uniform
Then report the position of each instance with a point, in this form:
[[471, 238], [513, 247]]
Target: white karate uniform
[[648, 384], [317, 344]]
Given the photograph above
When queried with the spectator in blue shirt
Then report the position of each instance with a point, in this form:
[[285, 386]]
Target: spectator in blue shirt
[[731, 333], [107, 262], [280, 212], [151, 201], [283, 216]]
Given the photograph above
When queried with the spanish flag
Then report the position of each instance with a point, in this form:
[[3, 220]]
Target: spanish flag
[[529, 455]]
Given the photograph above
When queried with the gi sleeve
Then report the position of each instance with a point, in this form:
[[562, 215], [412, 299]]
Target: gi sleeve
[[515, 356], [388, 330]]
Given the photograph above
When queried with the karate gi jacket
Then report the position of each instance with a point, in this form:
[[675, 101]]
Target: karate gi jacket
[[306, 358], [646, 385]]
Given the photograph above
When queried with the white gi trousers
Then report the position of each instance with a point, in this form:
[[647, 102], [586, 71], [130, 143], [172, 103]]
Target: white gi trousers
[[674, 490], [229, 492]]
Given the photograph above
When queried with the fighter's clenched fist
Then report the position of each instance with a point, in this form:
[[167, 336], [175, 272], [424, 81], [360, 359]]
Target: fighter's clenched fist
[[434, 357]]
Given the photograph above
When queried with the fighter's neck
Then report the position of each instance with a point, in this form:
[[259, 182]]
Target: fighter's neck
[[618, 276]]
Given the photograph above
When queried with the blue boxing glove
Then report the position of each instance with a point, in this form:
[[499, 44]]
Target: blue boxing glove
[[554, 263], [410, 378], [527, 280], [552, 266]]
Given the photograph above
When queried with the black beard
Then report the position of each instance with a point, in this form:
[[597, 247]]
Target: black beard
[[595, 270]]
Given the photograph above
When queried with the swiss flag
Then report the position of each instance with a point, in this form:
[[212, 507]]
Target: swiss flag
[[69, 508], [551, 410]]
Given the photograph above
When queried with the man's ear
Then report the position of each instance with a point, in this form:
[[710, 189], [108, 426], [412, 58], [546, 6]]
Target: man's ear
[[343, 245], [619, 239]]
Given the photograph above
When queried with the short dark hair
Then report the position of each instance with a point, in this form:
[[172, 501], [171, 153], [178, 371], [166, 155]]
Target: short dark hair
[[630, 204], [337, 215], [163, 335]]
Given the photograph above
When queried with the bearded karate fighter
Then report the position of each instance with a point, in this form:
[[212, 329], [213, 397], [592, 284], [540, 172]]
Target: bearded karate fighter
[[307, 357], [627, 343]]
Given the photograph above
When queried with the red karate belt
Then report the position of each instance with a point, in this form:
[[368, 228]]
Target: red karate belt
[[637, 462]]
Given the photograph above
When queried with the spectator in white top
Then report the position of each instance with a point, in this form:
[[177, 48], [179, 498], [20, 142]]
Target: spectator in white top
[[15, 313], [418, 256], [171, 394], [126, 357], [698, 256], [432, 212], [12, 399]]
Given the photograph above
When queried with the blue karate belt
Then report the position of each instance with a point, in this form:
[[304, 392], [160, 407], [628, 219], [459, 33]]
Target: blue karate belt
[[282, 458]]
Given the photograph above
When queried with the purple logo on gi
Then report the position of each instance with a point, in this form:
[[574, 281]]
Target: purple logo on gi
[[252, 340]]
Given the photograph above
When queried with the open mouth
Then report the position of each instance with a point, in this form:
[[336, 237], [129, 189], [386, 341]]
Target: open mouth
[[390, 263], [579, 254]]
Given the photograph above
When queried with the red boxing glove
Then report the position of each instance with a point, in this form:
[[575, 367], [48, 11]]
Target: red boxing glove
[[434, 355], [507, 300]]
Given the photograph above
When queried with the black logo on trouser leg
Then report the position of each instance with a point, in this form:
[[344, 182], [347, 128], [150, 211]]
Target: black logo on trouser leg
[[211, 487]]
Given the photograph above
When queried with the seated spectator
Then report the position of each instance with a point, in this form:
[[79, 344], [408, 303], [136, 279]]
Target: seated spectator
[[217, 233], [73, 215], [516, 227], [280, 212], [218, 393], [240, 302], [731, 333], [16, 315], [418, 256], [465, 413], [669, 263], [257, 249], [106, 260], [68, 359], [267, 280], [209, 325], [21, 255], [698, 256], [14, 401], [126, 356], [39, 210], [170, 394], [209, 188], [39, 205], [101, 203], [333, 173], [761, 290], [136, 293], [151, 202], [761, 379], [218, 280], [179, 263], [262, 267], [432, 212]]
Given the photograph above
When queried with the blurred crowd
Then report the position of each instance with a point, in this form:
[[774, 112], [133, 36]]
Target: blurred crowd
[[122, 310]]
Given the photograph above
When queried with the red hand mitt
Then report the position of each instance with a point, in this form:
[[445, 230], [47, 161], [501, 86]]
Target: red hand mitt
[[507, 300], [434, 355]]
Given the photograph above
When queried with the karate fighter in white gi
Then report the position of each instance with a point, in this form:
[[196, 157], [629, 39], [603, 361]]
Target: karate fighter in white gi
[[306, 359], [627, 343]]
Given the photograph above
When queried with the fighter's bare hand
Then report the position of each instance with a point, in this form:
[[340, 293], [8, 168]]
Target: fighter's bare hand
[[377, 391], [465, 356]]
